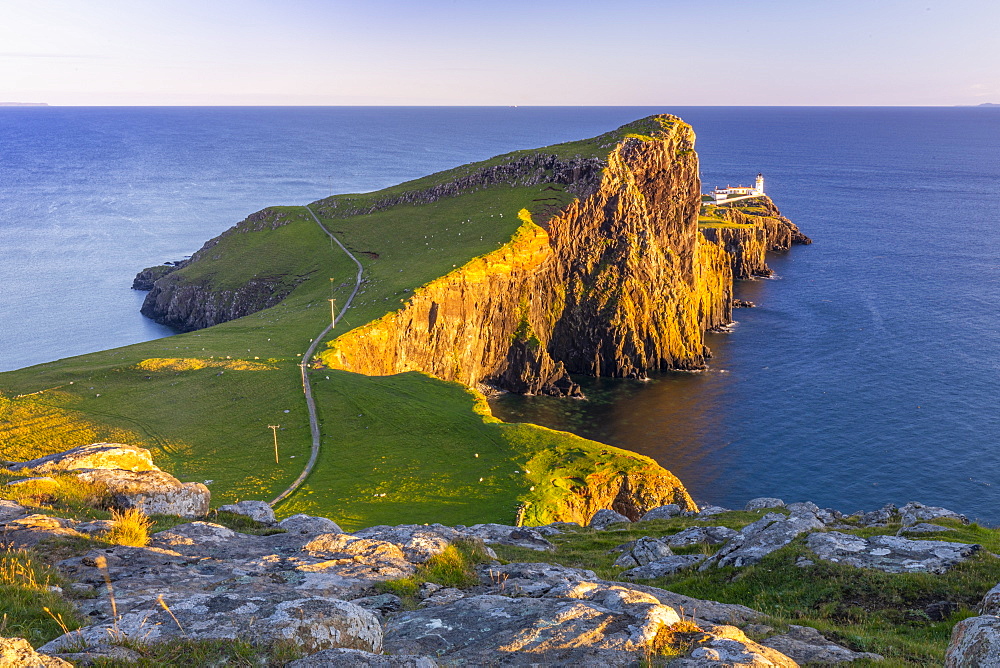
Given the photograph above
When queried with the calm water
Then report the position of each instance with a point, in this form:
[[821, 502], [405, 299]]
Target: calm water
[[868, 374]]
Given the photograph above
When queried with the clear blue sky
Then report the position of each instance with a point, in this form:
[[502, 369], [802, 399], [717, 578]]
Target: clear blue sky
[[524, 52]]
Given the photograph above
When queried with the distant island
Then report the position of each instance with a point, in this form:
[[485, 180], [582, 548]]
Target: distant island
[[24, 104]]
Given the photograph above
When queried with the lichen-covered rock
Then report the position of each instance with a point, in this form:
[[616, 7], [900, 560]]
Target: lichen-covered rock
[[259, 511], [501, 534], [312, 624], [307, 524], [805, 644], [762, 503], [663, 566], [990, 605], [756, 541], [975, 643], [610, 630], [152, 492], [914, 512], [641, 551], [94, 456], [419, 542], [701, 536], [662, 513], [355, 658], [891, 554], [728, 647], [603, 519], [18, 653]]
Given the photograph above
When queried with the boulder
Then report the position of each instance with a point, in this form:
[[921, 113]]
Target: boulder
[[94, 456], [975, 643], [708, 511], [152, 492], [891, 554], [887, 514], [307, 524], [662, 513], [311, 624], [258, 511], [805, 644], [29, 530], [924, 528], [641, 551], [602, 519], [701, 536], [914, 512], [419, 542], [18, 653], [756, 541], [11, 511], [380, 604], [585, 627], [502, 534], [360, 557], [664, 566], [355, 658], [990, 604], [763, 502], [728, 647]]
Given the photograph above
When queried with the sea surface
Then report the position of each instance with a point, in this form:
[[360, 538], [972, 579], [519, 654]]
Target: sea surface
[[868, 374]]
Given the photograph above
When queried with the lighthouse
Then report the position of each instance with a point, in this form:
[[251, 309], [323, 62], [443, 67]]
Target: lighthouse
[[759, 189]]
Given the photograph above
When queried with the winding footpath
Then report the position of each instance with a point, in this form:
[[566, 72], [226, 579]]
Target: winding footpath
[[304, 369]]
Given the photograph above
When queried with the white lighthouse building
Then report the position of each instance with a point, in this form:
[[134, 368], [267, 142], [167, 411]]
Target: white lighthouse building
[[733, 193]]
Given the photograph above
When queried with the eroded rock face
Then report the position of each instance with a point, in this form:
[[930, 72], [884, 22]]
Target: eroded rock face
[[891, 554], [93, 456], [18, 653]]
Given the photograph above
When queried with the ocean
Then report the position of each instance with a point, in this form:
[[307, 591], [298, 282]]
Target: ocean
[[868, 374]]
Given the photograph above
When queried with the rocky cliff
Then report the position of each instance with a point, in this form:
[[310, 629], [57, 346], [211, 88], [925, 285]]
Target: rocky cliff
[[619, 282], [747, 233], [190, 295]]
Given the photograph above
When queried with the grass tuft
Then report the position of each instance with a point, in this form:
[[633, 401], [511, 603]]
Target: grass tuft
[[129, 527], [30, 604], [454, 567]]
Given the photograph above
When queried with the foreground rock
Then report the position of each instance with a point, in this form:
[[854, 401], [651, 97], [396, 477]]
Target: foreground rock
[[95, 456], [258, 511], [354, 658], [891, 554], [18, 653], [311, 624], [128, 474], [152, 492], [768, 534], [975, 643], [807, 645]]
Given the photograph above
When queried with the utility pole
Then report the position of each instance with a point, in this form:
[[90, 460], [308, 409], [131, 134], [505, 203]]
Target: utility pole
[[333, 312], [274, 430]]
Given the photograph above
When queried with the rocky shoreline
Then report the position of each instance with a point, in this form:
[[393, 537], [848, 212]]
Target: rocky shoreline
[[306, 582]]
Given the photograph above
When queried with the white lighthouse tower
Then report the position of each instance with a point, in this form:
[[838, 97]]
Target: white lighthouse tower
[[759, 189]]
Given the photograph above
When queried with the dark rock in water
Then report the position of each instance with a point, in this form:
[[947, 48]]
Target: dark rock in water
[[742, 303]]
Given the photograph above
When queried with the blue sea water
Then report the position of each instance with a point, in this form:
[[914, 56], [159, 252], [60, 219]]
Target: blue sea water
[[868, 374]]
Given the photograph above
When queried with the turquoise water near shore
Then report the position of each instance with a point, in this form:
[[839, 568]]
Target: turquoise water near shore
[[868, 374]]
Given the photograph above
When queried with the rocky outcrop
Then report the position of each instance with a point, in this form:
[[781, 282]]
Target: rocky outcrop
[[192, 296], [616, 283], [126, 475], [145, 279], [806, 645], [891, 554], [94, 456], [750, 232]]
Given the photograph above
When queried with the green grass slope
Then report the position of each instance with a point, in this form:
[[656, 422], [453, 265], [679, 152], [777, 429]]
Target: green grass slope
[[205, 411]]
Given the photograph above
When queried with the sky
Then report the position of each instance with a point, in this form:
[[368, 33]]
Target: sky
[[501, 52]]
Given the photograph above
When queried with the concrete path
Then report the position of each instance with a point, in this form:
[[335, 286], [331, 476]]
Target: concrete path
[[304, 369]]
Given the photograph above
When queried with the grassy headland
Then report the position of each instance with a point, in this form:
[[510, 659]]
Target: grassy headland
[[203, 400]]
